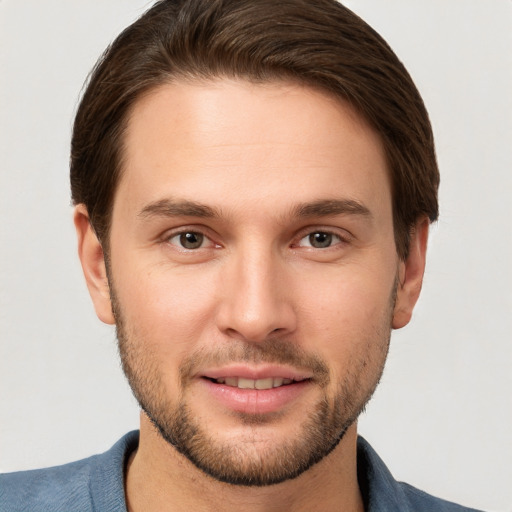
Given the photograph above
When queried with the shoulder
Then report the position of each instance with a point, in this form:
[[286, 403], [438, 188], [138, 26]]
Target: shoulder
[[95, 483], [58, 488], [382, 493], [420, 501]]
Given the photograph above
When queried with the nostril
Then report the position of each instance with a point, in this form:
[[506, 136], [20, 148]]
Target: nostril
[[255, 321]]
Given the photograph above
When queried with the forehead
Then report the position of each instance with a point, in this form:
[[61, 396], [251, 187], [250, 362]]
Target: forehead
[[234, 143]]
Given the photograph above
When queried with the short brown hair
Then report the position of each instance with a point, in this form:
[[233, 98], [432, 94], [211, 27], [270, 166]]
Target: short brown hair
[[316, 42]]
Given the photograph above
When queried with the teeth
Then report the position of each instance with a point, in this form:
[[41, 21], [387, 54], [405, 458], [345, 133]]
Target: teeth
[[246, 383], [278, 381], [242, 383], [264, 383]]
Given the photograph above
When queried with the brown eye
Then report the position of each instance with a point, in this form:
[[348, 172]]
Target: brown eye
[[191, 240], [320, 240], [188, 240]]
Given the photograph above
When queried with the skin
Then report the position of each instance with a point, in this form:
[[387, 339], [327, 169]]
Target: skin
[[266, 162]]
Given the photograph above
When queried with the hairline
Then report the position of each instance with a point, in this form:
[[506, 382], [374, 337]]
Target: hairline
[[277, 77]]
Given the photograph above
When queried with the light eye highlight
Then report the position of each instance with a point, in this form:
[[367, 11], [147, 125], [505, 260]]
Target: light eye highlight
[[320, 240]]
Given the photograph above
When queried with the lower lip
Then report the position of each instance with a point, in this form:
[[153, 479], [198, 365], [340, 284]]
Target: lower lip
[[256, 401]]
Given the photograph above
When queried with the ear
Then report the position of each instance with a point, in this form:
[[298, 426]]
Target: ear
[[410, 275], [93, 265]]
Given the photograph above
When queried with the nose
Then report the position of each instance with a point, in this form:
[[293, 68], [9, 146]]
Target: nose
[[257, 301]]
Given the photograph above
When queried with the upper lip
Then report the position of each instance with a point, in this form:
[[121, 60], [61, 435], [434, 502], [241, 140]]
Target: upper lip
[[256, 372]]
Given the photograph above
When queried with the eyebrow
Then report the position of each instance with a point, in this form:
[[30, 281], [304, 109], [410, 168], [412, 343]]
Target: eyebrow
[[171, 208], [328, 207], [320, 208]]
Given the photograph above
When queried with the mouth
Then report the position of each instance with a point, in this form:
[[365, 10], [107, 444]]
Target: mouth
[[260, 384], [255, 390]]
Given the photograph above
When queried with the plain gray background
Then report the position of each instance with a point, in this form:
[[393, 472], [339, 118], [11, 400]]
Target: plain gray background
[[442, 417]]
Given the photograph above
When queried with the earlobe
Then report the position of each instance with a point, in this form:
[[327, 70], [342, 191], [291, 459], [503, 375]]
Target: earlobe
[[92, 259], [410, 275]]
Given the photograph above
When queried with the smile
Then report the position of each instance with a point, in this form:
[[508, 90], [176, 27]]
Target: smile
[[244, 383], [255, 390]]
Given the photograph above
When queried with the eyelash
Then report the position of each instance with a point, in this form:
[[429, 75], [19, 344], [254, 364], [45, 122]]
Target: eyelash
[[184, 232], [341, 239], [329, 235]]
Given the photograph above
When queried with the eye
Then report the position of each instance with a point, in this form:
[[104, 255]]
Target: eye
[[320, 240], [189, 240]]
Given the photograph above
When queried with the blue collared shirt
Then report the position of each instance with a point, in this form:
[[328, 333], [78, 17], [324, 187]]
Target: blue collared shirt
[[97, 484]]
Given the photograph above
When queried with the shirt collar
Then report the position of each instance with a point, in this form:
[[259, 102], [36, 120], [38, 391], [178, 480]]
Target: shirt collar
[[380, 491]]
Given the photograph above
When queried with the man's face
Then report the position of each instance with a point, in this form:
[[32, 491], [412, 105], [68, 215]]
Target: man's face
[[253, 272]]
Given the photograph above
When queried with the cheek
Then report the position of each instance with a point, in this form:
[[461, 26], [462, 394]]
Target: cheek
[[346, 310], [164, 309], [351, 333]]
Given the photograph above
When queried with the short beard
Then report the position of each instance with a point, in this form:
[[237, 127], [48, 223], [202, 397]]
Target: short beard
[[248, 463]]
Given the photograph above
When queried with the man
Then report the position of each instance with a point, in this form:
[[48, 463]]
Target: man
[[254, 184]]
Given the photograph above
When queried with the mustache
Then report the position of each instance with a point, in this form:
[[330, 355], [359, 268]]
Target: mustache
[[270, 351]]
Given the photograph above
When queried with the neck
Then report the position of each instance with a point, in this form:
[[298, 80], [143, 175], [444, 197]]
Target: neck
[[160, 478]]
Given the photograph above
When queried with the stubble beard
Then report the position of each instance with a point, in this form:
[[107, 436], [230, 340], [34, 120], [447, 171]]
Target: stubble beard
[[246, 463]]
